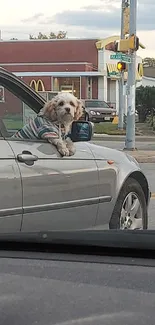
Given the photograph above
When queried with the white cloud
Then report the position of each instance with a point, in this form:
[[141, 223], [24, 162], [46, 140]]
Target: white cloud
[[31, 17]]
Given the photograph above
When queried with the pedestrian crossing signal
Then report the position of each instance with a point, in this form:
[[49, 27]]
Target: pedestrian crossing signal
[[121, 66]]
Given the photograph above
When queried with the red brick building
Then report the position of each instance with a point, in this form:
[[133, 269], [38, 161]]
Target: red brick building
[[71, 64], [82, 66]]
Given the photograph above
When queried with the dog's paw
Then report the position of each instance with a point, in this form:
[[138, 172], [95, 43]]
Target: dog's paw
[[70, 147], [64, 152], [72, 151]]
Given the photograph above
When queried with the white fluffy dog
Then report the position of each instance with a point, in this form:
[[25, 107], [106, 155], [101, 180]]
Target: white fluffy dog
[[62, 110], [53, 123]]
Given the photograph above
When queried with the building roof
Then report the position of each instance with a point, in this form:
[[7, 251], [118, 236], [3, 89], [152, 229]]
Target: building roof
[[49, 40], [49, 51]]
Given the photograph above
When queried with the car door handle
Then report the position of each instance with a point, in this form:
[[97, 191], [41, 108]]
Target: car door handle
[[26, 156]]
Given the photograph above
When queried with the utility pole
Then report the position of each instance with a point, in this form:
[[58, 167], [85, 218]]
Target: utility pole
[[124, 31], [121, 80], [131, 84]]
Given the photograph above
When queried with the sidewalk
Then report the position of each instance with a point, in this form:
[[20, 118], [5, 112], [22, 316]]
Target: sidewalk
[[106, 137], [142, 156]]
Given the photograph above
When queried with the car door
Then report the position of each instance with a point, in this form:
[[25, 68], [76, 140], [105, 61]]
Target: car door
[[10, 190], [58, 193]]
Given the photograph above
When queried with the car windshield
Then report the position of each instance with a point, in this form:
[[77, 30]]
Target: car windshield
[[96, 104], [59, 173]]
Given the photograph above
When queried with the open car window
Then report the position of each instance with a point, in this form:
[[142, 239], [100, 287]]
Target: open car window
[[14, 113]]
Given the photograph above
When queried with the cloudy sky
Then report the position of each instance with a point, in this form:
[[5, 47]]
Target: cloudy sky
[[82, 18]]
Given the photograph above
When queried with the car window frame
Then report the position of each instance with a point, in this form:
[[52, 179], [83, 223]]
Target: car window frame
[[22, 91]]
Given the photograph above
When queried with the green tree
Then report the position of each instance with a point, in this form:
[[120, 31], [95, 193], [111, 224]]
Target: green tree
[[60, 35], [145, 102], [149, 62]]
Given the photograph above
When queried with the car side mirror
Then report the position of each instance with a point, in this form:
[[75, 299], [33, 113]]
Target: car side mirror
[[81, 131]]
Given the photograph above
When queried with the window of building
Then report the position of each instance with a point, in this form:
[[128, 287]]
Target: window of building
[[67, 84]]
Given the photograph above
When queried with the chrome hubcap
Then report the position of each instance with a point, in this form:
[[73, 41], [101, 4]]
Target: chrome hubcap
[[131, 213]]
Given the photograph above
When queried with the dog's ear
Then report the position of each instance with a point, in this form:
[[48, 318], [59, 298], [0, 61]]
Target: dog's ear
[[79, 110], [49, 109]]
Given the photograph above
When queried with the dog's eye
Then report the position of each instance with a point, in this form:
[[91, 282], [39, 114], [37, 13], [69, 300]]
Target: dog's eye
[[72, 104], [61, 103]]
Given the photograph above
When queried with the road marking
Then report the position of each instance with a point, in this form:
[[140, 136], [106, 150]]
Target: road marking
[[152, 195]]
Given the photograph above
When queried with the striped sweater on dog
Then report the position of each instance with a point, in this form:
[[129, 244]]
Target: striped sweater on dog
[[39, 128]]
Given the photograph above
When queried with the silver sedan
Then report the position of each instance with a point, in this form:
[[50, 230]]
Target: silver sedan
[[97, 188]]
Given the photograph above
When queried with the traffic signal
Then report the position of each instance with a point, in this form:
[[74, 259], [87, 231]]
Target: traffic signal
[[134, 43], [124, 45], [121, 66]]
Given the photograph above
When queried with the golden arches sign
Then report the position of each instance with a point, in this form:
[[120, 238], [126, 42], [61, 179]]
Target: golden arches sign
[[37, 85], [140, 69]]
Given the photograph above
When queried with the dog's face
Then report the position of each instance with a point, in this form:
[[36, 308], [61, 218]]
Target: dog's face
[[63, 108]]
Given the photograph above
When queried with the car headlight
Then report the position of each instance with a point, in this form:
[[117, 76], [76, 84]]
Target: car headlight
[[113, 113], [92, 113], [98, 113]]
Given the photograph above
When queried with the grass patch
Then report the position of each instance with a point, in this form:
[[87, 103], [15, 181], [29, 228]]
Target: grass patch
[[12, 124], [108, 128]]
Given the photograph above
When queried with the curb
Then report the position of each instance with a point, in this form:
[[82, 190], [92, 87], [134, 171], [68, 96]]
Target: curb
[[106, 137]]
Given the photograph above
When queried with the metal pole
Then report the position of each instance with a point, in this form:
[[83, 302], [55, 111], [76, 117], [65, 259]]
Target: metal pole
[[121, 102], [121, 81], [131, 85]]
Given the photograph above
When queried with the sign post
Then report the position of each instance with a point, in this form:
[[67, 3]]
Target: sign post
[[125, 9], [131, 85]]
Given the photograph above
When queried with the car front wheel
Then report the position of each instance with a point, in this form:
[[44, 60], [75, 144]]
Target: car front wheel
[[130, 211]]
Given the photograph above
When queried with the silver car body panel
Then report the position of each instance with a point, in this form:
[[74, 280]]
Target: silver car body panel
[[114, 174], [71, 193], [59, 193], [11, 191]]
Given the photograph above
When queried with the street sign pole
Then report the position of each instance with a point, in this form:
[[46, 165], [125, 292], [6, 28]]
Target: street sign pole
[[121, 80], [131, 84]]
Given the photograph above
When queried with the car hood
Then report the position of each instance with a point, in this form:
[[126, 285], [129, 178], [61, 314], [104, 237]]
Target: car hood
[[119, 157]]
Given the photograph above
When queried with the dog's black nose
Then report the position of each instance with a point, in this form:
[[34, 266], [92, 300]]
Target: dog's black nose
[[67, 109]]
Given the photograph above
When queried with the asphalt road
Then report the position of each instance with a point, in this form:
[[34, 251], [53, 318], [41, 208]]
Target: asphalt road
[[148, 169]]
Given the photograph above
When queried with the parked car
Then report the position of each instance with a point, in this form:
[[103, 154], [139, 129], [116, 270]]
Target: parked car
[[98, 111], [97, 188]]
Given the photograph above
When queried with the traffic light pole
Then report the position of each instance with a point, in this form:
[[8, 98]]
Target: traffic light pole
[[121, 80], [131, 84], [121, 102]]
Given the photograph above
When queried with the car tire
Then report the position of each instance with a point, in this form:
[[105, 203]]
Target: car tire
[[120, 219]]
